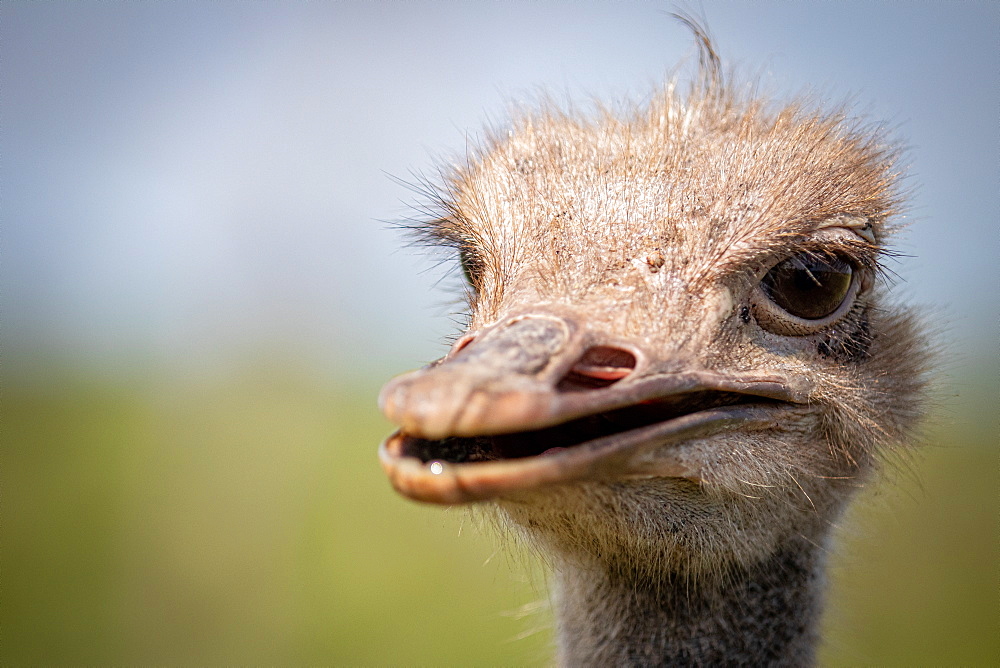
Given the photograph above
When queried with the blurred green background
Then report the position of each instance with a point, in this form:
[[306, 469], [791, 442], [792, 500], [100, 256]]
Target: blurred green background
[[199, 306], [244, 520]]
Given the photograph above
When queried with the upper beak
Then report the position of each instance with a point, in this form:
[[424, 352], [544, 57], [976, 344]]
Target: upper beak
[[534, 372], [503, 381]]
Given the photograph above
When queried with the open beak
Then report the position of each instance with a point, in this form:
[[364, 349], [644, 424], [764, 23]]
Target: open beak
[[535, 400]]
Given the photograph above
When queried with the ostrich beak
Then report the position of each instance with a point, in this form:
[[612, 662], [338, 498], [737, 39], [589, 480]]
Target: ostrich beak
[[536, 400]]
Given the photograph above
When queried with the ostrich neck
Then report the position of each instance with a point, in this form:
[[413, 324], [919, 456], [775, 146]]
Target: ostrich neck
[[765, 615]]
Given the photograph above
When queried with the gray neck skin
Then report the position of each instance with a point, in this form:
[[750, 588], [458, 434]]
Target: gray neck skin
[[763, 616]]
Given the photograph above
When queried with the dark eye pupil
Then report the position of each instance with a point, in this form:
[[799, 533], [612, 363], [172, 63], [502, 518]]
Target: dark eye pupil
[[472, 266], [808, 286]]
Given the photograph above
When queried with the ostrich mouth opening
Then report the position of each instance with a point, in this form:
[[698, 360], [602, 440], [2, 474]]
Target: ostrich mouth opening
[[633, 441], [550, 440]]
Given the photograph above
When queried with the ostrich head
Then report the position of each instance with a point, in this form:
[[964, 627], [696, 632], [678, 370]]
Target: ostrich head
[[680, 354]]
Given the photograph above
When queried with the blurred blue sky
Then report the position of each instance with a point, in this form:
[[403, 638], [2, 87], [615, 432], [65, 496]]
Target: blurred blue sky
[[184, 183]]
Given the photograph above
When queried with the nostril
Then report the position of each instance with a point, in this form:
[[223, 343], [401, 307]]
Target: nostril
[[599, 367], [606, 362]]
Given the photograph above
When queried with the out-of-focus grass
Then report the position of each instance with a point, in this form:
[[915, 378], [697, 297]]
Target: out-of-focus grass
[[245, 521], [916, 570]]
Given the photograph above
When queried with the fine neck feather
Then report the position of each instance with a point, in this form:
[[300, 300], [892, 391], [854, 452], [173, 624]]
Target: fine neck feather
[[762, 615]]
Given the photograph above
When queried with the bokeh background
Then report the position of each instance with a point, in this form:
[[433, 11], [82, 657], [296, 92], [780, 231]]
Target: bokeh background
[[201, 297]]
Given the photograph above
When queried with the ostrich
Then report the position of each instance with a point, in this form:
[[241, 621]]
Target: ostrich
[[680, 363]]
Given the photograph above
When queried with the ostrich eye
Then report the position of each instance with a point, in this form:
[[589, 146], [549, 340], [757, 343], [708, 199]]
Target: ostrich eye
[[472, 266], [808, 286]]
